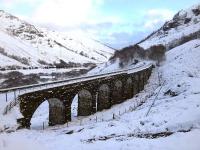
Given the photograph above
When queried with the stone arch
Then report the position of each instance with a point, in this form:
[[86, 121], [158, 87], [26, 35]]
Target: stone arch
[[84, 103], [117, 93], [128, 88], [145, 77], [56, 112], [136, 84], [141, 82], [28, 108], [103, 100], [40, 117]]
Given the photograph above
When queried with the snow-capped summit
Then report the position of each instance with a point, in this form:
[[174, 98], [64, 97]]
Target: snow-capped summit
[[184, 27], [23, 45]]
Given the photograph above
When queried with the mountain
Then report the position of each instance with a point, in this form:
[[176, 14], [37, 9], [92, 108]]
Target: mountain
[[172, 93], [183, 28], [23, 45]]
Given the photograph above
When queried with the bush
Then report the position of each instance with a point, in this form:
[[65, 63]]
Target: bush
[[23, 60], [157, 53], [14, 75], [15, 78], [183, 39], [63, 64], [129, 53], [135, 52], [42, 62], [89, 65]]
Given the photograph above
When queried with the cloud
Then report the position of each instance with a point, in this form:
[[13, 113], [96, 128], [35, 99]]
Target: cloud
[[88, 17], [10, 4], [120, 34], [156, 17], [130, 32], [66, 12], [160, 13], [119, 40]]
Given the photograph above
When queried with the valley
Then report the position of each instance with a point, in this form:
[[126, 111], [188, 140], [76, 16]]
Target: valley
[[145, 96]]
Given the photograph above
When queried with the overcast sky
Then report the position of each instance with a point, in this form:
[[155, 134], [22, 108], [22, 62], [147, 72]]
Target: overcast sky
[[117, 23]]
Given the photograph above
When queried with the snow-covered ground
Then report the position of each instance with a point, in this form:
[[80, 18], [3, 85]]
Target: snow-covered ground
[[176, 110], [173, 123], [6, 98]]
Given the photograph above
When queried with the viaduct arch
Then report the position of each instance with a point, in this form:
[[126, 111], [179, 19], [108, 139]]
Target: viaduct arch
[[94, 95]]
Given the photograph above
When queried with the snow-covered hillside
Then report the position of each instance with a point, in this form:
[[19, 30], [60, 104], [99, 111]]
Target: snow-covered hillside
[[25, 45], [184, 27], [172, 123]]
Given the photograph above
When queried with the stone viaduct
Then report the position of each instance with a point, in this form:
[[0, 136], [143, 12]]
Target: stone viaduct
[[94, 95]]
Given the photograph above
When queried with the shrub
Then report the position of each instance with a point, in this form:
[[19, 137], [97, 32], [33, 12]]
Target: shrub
[[16, 78], [128, 53], [157, 53], [14, 75]]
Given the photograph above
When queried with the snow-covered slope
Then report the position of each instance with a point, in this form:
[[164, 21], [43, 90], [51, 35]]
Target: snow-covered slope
[[184, 26], [33, 46], [173, 122], [175, 114]]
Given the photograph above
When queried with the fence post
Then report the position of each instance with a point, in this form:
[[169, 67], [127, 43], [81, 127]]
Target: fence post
[[43, 125], [6, 96], [113, 116], [6, 111], [10, 106]]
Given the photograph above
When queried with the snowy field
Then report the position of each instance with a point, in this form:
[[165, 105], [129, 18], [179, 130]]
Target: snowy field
[[175, 113], [44, 71]]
